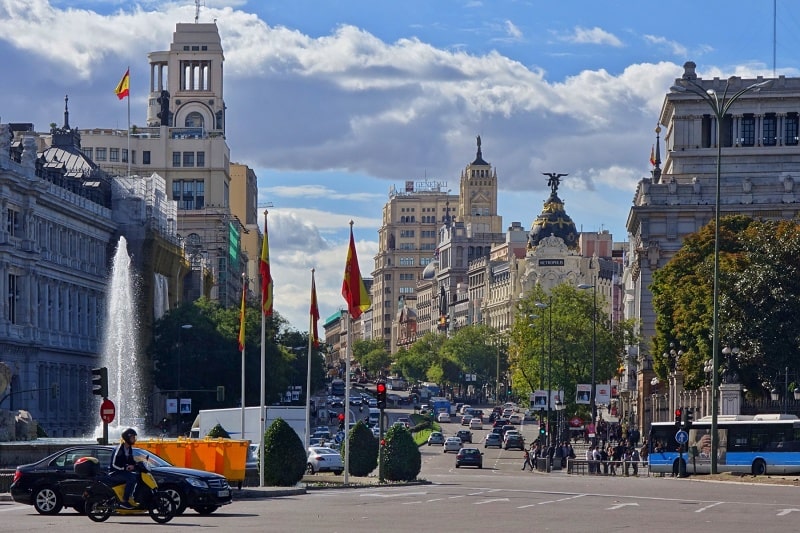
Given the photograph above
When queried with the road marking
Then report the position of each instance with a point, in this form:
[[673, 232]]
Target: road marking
[[784, 512], [708, 507], [434, 500], [456, 497], [492, 500], [620, 506], [561, 499], [393, 494]]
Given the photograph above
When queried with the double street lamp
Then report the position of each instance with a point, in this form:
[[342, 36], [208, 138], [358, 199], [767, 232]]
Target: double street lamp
[[549, 307], [719, 106], [593, 395]]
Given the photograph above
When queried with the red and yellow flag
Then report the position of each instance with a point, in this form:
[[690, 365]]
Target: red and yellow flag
[[123, 87], [653, 155], [266, 278], [353, 289], [314, 312], [242, 317]]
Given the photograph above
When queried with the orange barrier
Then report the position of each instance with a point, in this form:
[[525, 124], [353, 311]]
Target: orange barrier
[[232, 458], [223, 456]]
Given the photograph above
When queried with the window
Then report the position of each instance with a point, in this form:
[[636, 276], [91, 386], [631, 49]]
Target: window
[[407, 261], [146, 157], [176, 159], [387, 277], [406, 290], [770, 129], [12, 222], [101, 154], [425, 261], [188, 159], [89, 153], [113, 155], [407, 246], [748, 130], [13, 296], [791, 129], [190, 194], [124, 155], [407, 233], [406, 276], [201, 159]]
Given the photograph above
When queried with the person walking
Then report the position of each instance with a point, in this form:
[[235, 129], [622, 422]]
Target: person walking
[[527, 463]]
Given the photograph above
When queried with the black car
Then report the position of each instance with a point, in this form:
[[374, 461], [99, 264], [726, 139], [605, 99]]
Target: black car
[[515, 441], [469, 457], [465, 435], [51, 484]]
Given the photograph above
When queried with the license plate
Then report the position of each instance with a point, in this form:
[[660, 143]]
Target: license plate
[[223, 493]]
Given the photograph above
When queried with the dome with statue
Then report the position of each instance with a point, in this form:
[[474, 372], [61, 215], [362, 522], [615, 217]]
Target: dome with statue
[[553, 220]]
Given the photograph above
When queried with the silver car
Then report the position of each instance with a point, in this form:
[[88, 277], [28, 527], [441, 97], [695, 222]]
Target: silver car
[[452, 444], [324, 460]]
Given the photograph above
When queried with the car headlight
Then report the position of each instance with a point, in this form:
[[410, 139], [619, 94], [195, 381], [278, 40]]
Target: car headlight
[[195, 482]]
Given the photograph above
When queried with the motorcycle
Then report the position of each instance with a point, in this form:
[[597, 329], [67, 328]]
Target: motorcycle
[[103, 495]]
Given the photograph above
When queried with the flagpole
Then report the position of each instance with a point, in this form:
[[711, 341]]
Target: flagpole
[[348, 351], [308, 370], [129, 121], [244, 291], [262, 408]]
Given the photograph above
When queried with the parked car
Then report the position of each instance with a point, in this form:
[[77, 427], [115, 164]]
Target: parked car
[[469, 457], [465, 435], [452, 444], [476, 423], [50, 484], [492, 440], [436, 437], [324, 460], [515, 441]]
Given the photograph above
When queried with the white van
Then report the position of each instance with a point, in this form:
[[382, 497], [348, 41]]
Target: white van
[[374, 416]]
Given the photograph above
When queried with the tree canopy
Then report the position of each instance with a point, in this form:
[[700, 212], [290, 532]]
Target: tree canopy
[[759, 284]]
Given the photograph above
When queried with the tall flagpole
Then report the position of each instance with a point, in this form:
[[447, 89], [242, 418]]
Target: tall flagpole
[[347, 353], [262, 408], [129, 121], [244, 289], [308, 370]]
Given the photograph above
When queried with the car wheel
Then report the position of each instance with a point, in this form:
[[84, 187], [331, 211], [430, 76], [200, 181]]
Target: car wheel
[[310, 469], [47, 501], [457, 465], [178, 499], [759, 468], [338, 472], [206, 509]]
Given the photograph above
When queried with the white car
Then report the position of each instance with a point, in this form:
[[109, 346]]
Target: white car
[[324, 460], [515, 419], [443, 417], [476, 423], [452, 444]]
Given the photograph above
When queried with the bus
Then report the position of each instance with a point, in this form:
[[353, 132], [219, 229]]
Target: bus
[[758, 444], [337, 387]]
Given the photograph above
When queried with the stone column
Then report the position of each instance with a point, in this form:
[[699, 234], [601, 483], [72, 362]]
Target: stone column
[[730, 398]]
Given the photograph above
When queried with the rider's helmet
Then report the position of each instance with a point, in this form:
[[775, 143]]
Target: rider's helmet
[[127, 434]]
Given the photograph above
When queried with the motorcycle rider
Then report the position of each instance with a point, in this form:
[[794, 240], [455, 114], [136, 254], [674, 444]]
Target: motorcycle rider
[[123, 466]]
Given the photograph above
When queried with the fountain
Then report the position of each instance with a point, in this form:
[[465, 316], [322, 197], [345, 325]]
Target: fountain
[[120, 346]]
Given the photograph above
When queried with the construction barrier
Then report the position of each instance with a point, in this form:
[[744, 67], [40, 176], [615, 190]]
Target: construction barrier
[[224, 456]]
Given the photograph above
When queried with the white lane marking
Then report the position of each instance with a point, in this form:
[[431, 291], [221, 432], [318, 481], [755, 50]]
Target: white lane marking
[[708, 507], [784, 512], [620, 506], [492, 500]]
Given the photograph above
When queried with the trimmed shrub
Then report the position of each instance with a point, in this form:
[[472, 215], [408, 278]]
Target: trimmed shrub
[[402, 456], [284, 456], [218, 432], [363, 450]]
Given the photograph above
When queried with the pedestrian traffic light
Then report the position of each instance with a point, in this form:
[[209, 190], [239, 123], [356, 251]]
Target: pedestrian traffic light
[[100, 381], [380, 389], [688, 417], [542, 428], [678, 417]]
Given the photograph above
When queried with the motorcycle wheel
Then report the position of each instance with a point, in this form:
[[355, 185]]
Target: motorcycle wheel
[[162, 510], [99, 509]]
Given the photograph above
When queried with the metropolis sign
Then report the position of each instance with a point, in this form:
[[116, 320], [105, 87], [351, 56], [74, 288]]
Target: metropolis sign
[[551, 262]]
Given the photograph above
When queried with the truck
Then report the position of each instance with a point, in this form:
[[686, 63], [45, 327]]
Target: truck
[[231, 421], [441, 405]]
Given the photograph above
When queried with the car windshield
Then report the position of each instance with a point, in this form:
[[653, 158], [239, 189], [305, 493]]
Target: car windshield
[[325, 451], [151, 458], [470, 451]]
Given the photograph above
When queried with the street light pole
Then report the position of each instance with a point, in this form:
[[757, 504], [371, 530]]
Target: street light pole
[[719, 107], [549, 307], [593, 395]]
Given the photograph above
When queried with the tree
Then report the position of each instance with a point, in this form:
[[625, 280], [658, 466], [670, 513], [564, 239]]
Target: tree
[[403, 460], [758, 288], [415, 362], [372, 356], [363, 450], [470, 351], [284, 455]]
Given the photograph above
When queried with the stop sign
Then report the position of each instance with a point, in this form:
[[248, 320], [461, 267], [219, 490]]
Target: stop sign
[[107, 411]]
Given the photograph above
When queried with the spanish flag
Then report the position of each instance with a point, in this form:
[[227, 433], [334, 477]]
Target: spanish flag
[[314, 312], [653, 155], [266, 278], [353, 289], [123, 87], [242, 317]]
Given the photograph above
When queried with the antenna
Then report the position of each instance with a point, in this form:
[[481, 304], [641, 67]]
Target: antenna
[[196, 11]]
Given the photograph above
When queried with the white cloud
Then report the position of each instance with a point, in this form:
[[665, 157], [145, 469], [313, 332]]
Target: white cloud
[[594, 35], [675, 48]]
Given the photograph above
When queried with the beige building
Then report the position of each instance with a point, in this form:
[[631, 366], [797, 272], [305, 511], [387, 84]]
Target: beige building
[[244, 206], [184, 142]]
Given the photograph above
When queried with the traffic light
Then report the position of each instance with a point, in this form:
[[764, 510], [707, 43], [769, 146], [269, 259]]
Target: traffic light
[[688, 417], [380, 389], [678, 417], [100, 381], [542, 428], [341, 421]]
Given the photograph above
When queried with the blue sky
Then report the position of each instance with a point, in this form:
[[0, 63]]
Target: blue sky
[[334, 101]]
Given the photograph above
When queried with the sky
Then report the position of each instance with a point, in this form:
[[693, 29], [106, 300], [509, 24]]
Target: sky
[[332, 102]]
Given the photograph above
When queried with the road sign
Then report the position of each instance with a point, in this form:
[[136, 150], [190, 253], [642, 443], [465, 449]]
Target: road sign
[[107, 411], [681, 437]]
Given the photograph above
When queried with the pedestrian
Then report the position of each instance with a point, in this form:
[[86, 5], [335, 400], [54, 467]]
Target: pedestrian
[[604, 457], [527, 463], [635, 458], [590, 459]]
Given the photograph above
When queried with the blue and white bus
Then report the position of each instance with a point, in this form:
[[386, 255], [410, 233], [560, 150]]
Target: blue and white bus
[[758, 444], [337, 387]]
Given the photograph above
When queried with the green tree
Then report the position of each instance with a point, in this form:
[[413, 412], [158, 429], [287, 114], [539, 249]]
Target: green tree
[[284, 455], [415, 362], [372, 356], [469, 351], [363, 450], [402, 458]]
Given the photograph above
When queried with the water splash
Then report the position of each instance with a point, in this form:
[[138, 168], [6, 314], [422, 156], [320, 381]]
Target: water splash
[[120, 344]]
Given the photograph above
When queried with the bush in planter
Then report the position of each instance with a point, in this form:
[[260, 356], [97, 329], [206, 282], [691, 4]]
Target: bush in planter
[[363, 450], [284, 455], [218, 432], [401, 455]]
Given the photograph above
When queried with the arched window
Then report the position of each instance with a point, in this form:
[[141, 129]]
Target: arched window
[[194, 120]]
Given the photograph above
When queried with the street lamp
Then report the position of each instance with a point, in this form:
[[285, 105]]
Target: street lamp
[[549, 307], [593, 396], [184, 327], [719, 107]]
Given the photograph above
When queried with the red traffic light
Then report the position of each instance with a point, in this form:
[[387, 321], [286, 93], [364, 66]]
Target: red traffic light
[[677, 413], [341, 417], [380, 388]]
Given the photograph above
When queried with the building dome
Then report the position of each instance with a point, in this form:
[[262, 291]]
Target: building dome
[[553, 220], [430, 270]]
